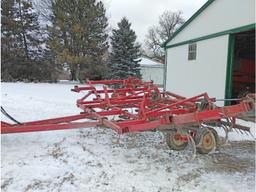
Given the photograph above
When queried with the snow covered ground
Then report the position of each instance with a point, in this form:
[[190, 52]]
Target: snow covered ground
[[89, 160]]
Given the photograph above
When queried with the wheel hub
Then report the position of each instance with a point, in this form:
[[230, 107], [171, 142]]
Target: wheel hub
[[177, 140], [207, 141]]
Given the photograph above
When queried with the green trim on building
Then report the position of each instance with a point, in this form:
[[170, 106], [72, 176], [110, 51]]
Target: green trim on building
[[230, 31], [229, 72], [188, 21], [165, 70]]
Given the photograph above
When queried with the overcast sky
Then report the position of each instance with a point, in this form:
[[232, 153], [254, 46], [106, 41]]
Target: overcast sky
[[145, 13]]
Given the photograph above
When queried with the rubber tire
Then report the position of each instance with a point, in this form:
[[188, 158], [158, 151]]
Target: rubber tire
[[172, 145], [217, 139], [200, 135]]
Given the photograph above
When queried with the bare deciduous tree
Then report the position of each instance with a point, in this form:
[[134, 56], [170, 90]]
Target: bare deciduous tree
[[168, 22]]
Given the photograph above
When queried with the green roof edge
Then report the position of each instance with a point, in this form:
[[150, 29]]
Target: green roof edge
[[188, 22], [229, 31]]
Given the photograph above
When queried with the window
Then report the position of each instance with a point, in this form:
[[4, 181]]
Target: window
[[192, 51]]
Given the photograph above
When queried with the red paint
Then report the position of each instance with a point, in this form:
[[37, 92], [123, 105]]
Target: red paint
[[140, 105]]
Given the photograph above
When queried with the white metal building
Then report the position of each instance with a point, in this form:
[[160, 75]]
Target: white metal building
[[214, 51], [152, 70]]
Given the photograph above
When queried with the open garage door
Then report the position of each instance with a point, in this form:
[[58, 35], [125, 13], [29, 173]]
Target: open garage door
[[243, 76], [242, 65]]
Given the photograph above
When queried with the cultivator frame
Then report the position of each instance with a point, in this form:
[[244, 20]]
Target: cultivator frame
[[132, 105]]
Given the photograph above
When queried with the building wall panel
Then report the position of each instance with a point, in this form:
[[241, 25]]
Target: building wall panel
[[153, 73], [219, 16], [205, 74]]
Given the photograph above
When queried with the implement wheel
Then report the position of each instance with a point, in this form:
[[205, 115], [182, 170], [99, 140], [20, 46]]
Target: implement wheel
[[208, 140], [174, 142]]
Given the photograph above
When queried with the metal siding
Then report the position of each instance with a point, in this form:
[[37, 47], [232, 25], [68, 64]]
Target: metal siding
[[153, 73], [205, 74], [221, 15]]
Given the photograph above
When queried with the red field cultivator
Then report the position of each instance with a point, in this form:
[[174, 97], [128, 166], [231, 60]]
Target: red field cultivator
[[132, 105]]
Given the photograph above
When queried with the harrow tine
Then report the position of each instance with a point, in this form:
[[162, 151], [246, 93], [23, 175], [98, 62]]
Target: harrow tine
[[246, 132], [252, 135], [226, 134], [117, 140], [193, 144], [161, 135], [241, 131], [236, 131]]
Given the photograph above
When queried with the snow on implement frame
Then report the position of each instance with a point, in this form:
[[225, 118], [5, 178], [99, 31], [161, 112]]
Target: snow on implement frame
[[132, 105]]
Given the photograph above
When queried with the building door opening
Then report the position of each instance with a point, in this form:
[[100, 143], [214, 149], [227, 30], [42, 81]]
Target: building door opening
[[243, 69]]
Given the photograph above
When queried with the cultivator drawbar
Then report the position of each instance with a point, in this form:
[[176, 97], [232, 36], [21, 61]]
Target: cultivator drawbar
[[132, 105]]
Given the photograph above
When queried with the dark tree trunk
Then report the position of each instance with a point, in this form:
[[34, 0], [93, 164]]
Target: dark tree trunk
[[73, 74], [23, 32]]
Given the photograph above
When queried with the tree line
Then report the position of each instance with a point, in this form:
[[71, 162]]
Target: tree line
[[74, 36]]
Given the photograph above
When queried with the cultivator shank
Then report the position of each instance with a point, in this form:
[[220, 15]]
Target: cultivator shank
[[132, 105]]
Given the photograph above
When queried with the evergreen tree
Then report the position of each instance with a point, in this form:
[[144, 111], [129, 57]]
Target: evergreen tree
[[78, 36], [123, 59], [22, 53], [6, 36]]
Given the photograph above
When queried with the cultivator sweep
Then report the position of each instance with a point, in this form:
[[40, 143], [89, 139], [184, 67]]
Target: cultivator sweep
[[132, 105]]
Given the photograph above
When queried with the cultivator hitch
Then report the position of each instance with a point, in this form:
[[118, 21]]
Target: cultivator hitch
[[132, 105]]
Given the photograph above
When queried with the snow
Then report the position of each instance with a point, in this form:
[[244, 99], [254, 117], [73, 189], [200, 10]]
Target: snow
[[149, 62], [91, 160]]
